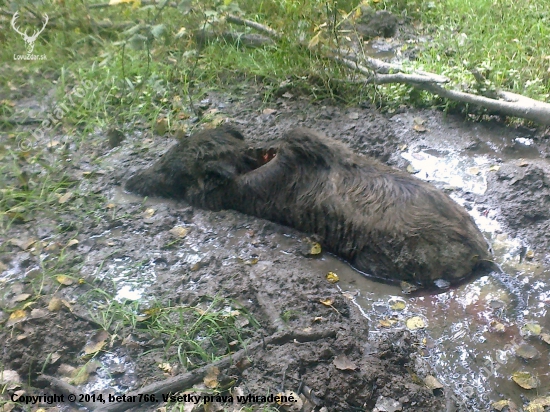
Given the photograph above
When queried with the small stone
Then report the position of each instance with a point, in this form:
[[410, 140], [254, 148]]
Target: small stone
[[387, 405]]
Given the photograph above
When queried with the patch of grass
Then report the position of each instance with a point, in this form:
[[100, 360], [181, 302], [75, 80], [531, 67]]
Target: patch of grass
[[187, 335], [507, 42]]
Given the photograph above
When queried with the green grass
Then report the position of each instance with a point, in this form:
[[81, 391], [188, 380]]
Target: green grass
[[190, 336], [507, 41]]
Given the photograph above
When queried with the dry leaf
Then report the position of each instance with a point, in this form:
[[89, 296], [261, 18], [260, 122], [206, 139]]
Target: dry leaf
[[16, 317], [314, 40], [327, 301], [494, 168], [315, 248], [342, 363], [148, 213], [387, 323], [38, 313], [21, 297], [80, 376], [269, 111], [416, 322], [525, 380], [332, 277], [66, 197], [9, 376], [211, 378], [72, 242], [64, 280], [398, 305], [527, 352], [538, 404], [161, 126], [530, 329], [179, 231], [545, 337], [165, 367], [419, 128], [94, 347]]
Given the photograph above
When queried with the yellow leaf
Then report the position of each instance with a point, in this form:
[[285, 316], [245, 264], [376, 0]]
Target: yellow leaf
[[327, 301], [314, 41], [64, 280], [315, 248], [525, 380], [398, 305], [65, 198], [387, 323], [530, 329], [55, 304], [494, 168], [165, 367], [72, 242], [416, 322], [16, 317], [148, 212], [332, 277], [211, 378], [179, 231]]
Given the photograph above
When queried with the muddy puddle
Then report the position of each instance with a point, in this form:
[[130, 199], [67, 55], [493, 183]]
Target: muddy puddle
[[472, 335], [472, 331]]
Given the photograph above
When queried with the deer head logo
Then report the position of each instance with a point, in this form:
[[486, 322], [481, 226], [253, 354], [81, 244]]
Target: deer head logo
[[28, 39]]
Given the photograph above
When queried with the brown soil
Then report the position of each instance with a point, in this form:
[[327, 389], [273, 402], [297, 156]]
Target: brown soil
[[281, 291]]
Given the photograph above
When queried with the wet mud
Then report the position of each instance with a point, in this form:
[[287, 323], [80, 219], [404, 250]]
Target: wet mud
[[128, 250]]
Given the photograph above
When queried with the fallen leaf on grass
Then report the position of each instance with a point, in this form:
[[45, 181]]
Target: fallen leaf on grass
[[65, 198], [342, 363]]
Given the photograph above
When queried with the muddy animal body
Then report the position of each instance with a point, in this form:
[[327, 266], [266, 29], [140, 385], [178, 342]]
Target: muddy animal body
[[386, 223]]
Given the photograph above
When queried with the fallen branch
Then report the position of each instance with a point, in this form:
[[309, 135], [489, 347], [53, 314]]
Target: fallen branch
[[379, 72], [187, 380]]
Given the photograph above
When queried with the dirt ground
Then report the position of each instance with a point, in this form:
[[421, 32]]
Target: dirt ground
[[258, 265]]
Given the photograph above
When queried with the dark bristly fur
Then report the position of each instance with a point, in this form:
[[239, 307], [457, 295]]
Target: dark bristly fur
[[384, 222]]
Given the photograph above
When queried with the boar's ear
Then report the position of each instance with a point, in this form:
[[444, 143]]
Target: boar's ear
[[225, 170]]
